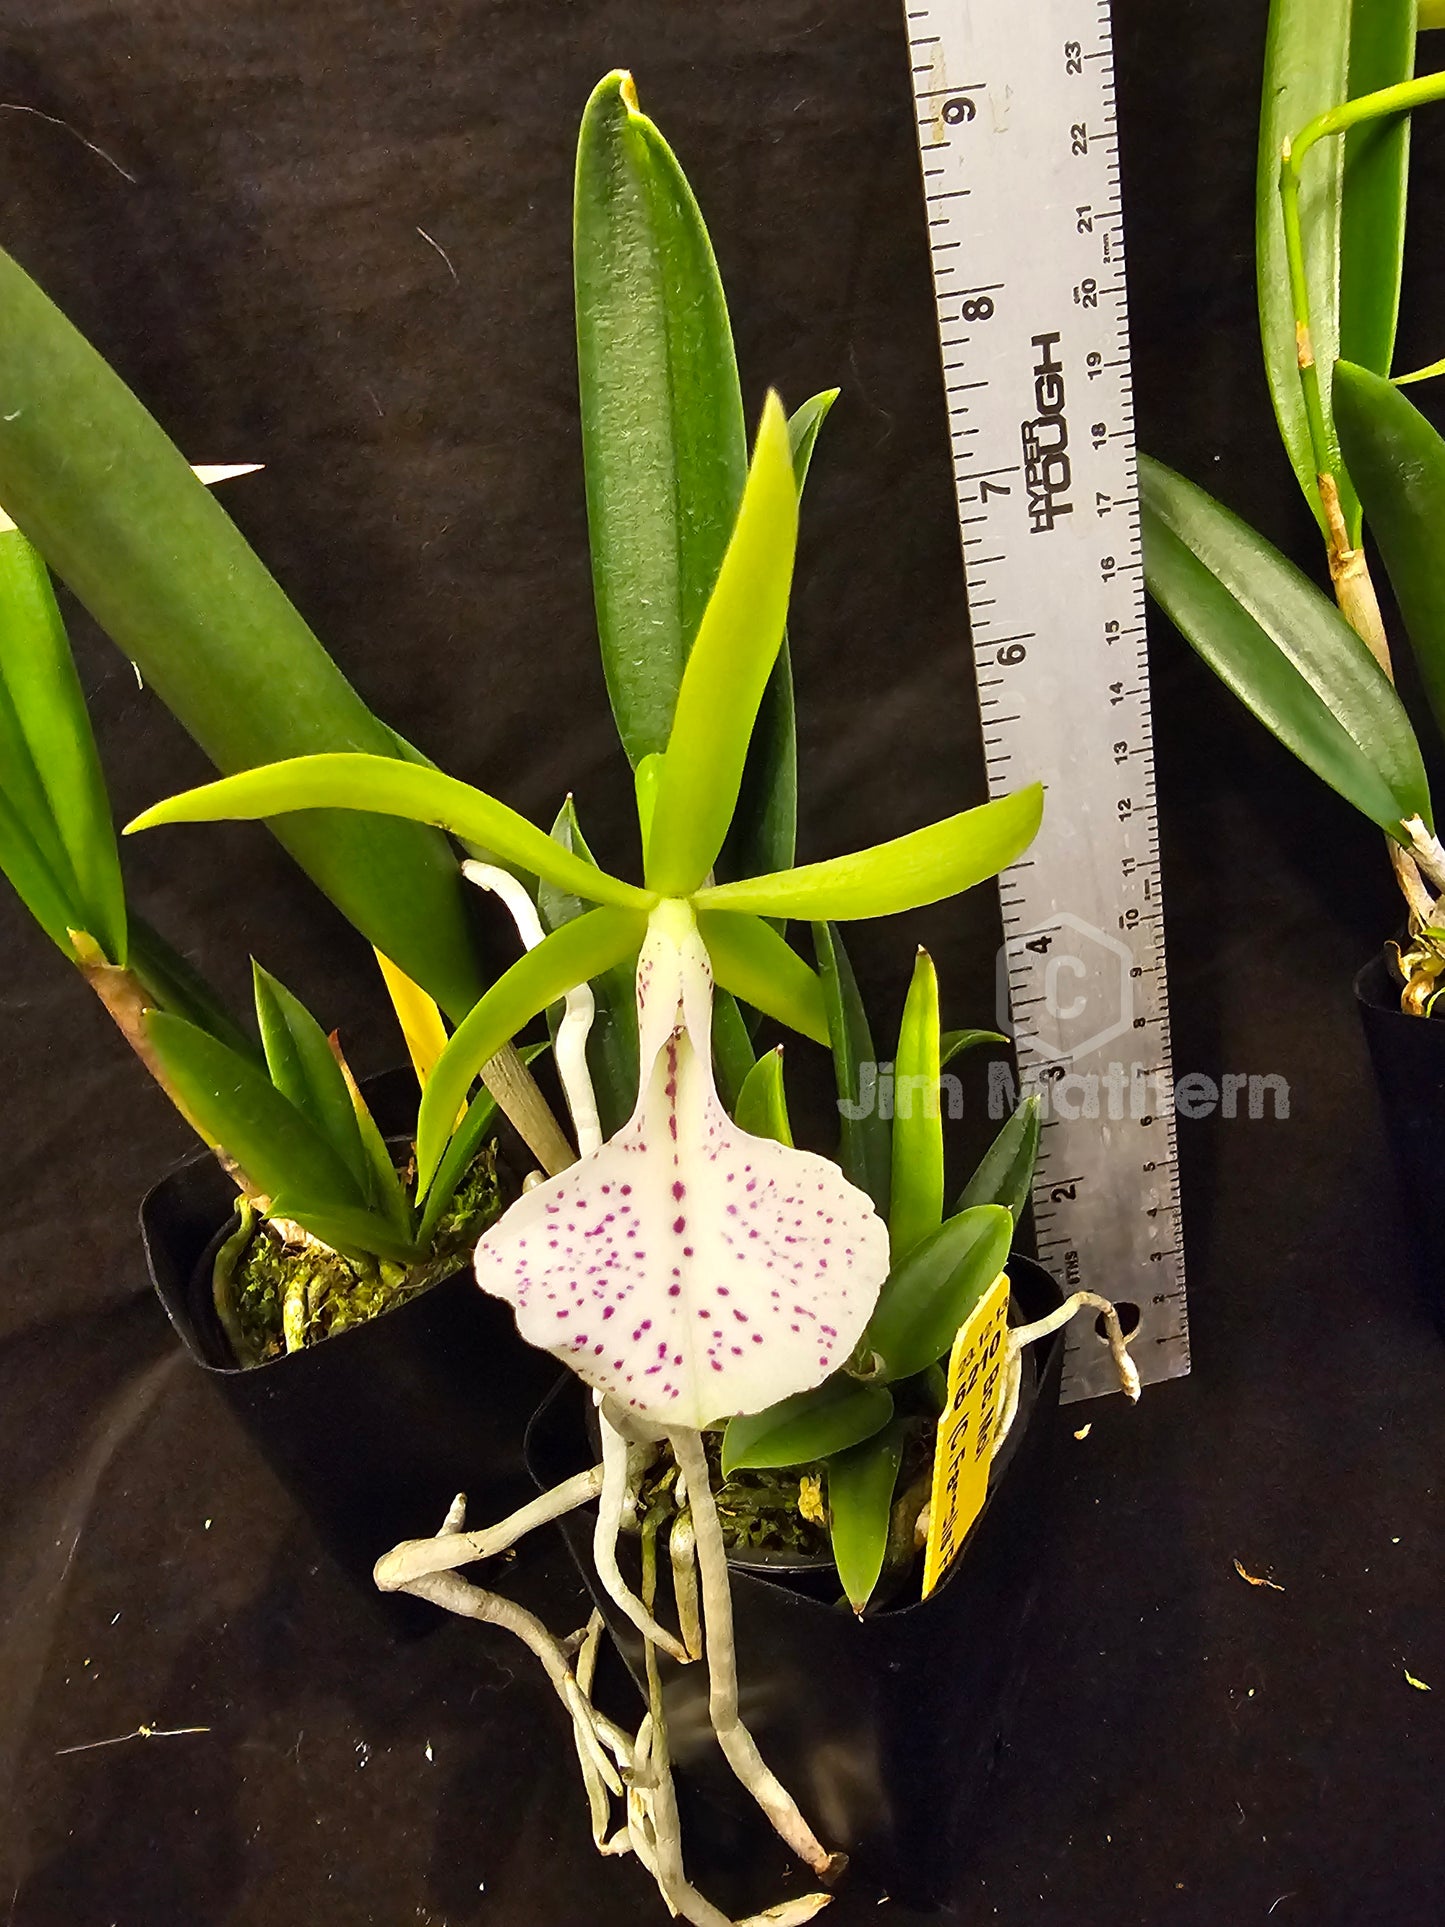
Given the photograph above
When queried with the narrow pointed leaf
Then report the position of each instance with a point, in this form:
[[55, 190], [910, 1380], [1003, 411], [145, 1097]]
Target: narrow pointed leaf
[[809, 1426], [732, 658], [923, 867], [612, 1044], [384, 786], [572, 955], [916, 1202], [1398, 461], [803, 426], [304, 1070], [352, 1230], [174, 984], [733, 1055], [463, 1145], [762, 1106], [237, 1106], [751, 960], [954, 1043], [1005, 1173], [418, 1015], [56, 755], [663, 438], [1372, 211], [928, 1296], [45, 896], [381, 1179], [117, 513], [860, 1505], [1282, 646], [865, 1149]]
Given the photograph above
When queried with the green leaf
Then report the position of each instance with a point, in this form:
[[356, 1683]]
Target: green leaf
[[1376, 171], [737, 644], [304, 1069], [763, 833], [44, 895], [1005, 1172], [762, 1106], [916, 1202], [1281, 645], [860, 1505], [351, 1230], [174, 984], [384, 1188], [113, 506], [866, 1143], [928, 1296], [465, 1142], [732, 1047], [1398, 461], [751, 960], [664, 442], [923, 867], [954, 1043], [811, 1425], [612, 1043], [383, 786], [50, 769], [238, 1107], [572, 955]]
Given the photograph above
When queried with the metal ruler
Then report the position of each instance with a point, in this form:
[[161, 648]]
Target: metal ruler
[[1016, 128]]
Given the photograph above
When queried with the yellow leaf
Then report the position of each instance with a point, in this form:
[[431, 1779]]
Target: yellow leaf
[[1418, 1684], [1250, 1579], [420, 1020]]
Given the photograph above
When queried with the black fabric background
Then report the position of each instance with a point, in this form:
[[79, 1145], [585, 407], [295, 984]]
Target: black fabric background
[[1189, 1749]]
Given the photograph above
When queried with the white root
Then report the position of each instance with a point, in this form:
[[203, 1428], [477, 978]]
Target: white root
[[570, 1047], [739, 1748], [618, 1462], [453, 1547], [1022, 1335]]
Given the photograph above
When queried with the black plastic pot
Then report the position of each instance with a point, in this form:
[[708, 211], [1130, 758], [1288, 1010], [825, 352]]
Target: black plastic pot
[[886, 1729], [375, 1430], [1408, 1055]]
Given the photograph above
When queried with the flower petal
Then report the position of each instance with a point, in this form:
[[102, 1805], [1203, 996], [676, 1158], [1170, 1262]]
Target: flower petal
[[687, 1268]]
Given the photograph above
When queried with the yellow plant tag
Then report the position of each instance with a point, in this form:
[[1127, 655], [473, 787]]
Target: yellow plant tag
[[965, 1431]]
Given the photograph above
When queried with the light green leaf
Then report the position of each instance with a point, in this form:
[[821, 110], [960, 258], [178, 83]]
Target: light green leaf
[[954, 1043], [762, 1106], [50, 770], [304, 1070], [465, 1142], [751, 960], [731, 660], [1281, 645], [1398, 461], [929, 1295], [237, 1106], [865, 1149], [384, 786], [663, 438], [860, 1504], [114, 508], [916, 1202], [803, 426], [1005, 1172], [612, 1043], [923, 867], [572, 955], [809, 1426]]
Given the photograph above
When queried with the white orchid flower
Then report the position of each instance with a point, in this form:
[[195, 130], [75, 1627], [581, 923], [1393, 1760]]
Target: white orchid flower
[[688, 1269]]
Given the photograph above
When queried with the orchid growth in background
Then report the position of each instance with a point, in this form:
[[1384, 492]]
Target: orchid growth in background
[[692, 1266], [1330, 238]]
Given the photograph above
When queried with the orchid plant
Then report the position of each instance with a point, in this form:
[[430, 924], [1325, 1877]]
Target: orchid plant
[[1339, 92], [691, 1265]]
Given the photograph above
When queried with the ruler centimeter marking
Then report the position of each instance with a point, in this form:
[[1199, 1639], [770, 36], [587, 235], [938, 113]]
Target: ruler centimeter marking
[[1016, 132]]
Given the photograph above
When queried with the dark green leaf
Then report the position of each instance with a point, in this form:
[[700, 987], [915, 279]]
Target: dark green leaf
[[811, 1425], [762, 1106], [174, 984], [354, 1232], [612, 1045], [304, 1069], [929, 1295], [117, 513], [916, 1200], [751, 960], [1005, 1172], [732, 1047], [866, 1143], [1372, 214], [860, 1503], [47, 899], [1282, 646], [663, 438], [463, 1145], [923, 867], [1398, 462]]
